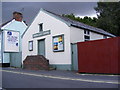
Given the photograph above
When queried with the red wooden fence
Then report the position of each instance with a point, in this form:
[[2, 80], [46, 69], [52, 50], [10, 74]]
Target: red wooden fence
[[99, 56]]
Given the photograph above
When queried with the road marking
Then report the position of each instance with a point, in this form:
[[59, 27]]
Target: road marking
[[96, 74], [63, 78]]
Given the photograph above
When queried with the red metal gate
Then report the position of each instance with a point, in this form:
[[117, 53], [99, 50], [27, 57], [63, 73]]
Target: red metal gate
[[99, 56]]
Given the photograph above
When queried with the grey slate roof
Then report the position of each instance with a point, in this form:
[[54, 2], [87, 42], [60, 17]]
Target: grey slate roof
[[82, 25]]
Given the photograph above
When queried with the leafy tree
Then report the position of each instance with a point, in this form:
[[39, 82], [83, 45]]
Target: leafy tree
[[109, 16], [86, 19]]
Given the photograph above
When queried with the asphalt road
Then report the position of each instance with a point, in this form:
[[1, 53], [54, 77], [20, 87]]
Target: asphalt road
[[31, 79]]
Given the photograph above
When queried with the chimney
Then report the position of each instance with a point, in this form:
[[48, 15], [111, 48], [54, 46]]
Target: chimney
[[17, 16]]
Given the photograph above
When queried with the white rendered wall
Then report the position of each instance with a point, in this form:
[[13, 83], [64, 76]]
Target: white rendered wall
[[95, 36], [14, 26], [57, 27], [76, 35]]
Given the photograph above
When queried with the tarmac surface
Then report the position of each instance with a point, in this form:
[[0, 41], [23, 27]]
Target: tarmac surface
[[67, 77]]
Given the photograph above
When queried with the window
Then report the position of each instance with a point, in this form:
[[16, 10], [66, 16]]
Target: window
[[104, 36], [87, 38], [87, 32], [30, 46], [86, 35], [41, 27]]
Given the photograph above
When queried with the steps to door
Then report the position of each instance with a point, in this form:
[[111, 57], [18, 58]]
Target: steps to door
[[36, 62]]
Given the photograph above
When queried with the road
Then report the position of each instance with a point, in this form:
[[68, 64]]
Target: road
[[25, 79]]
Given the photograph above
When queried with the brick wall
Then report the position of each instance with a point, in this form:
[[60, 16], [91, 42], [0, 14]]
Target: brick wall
[[36, 62]]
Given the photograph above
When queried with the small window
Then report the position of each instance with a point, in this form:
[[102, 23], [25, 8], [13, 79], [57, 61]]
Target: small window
[[87, 38], [104, 36], [41, 27], [87, 32], [30, 46]]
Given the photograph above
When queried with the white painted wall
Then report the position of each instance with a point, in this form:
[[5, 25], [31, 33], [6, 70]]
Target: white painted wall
[[15, 26], [95, 36], [57, 27], [76, 35]]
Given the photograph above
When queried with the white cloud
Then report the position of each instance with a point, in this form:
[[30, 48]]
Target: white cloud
[[93, 15]]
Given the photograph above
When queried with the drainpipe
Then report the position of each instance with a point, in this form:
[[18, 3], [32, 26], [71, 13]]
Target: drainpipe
[[2, 51], [1, 46]]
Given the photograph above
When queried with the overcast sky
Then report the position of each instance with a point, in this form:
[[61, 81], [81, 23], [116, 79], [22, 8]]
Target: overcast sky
[[30, 9]]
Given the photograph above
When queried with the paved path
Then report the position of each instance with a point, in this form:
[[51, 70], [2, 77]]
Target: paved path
[[63, 79]]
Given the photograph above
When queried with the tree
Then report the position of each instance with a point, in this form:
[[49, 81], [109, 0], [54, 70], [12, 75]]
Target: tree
[[109, 17], [86, 19]]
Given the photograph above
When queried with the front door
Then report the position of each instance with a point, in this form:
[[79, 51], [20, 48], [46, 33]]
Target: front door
[[41, 47], [15, 59], [74, 57]]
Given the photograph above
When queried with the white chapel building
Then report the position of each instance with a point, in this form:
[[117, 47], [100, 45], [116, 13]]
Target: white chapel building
[[56, 37]]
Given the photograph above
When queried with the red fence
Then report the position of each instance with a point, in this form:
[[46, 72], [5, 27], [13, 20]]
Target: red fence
[[99, 56]]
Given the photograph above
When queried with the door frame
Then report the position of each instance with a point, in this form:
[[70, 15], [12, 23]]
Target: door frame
[[72, 58], [38, 46]]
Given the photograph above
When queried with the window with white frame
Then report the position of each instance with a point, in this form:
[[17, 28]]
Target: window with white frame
[[86, 35], [30, 45], [86, 32], [41, 27]]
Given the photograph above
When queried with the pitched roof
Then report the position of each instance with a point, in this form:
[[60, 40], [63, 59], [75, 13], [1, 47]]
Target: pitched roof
[[5, 23], [81, 25], [10, 21]]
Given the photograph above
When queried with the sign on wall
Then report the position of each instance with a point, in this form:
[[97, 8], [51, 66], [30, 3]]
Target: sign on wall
[[58, 43], [42, 33], [11, 41]]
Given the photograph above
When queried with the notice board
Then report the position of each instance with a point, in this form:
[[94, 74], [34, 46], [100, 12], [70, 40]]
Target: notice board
[[11, 41]]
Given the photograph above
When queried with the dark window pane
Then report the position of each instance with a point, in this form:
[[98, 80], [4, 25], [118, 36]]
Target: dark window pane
[[87, 37], [41, 27], [88, 32], [104, 36], [84, 31]]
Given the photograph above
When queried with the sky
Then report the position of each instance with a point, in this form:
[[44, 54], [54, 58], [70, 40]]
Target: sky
[[30, 9]]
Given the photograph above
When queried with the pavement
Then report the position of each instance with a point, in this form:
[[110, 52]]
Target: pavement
[[67, 75]]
